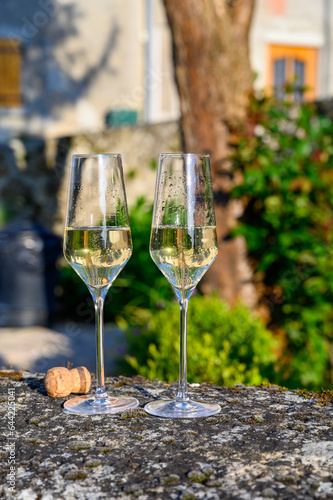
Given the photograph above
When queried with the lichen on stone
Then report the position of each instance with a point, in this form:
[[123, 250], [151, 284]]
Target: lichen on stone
[[267, 442]]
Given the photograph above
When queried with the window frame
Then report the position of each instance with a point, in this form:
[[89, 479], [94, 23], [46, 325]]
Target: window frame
[[307, 55]]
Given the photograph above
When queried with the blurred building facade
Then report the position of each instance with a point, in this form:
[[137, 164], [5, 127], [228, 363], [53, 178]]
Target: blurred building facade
[[71, 66], [74, 66], [292, 40]]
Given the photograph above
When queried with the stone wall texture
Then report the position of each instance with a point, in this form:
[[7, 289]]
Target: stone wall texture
[[34, 172], [267, 442]]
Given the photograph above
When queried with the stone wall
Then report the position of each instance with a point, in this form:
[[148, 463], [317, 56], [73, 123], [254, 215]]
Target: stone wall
[[266, 442], [34, 172]]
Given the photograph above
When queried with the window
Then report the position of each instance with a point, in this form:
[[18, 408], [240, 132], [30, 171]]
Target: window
[[296, 65], [10, 73], [286, 70]]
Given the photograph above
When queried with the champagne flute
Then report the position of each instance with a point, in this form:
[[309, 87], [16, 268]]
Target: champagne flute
[[97, 245], [183, 244]]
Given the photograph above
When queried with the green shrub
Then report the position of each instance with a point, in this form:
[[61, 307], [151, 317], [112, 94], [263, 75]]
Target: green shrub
[[287, 187], [225, 346]]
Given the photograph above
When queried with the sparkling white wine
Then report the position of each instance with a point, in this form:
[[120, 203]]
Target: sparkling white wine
[[182, 253], [98, 253]]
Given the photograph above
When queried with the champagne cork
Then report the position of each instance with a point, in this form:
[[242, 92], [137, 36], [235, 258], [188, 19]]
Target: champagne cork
[[81, 380], [60, 382]]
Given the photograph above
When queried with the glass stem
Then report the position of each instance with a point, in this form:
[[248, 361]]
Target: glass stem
[[182, 389], [99, 296]]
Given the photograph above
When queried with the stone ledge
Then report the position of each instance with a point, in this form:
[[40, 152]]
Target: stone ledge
[[267, 442]]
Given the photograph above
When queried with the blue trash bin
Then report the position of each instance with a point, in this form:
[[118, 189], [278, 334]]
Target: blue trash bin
[[28, 255]]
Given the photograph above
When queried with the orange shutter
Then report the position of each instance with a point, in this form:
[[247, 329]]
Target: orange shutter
[[10, 73]]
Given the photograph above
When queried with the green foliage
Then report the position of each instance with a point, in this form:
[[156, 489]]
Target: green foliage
[[6, 213], [287, 186], [174, 214], [225, 346]]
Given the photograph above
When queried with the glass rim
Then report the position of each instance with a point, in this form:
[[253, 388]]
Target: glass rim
[[184, 155], [96, 155]]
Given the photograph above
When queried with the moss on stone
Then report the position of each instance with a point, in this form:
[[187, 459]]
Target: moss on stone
[[92, 463], [79, 445], [76, 475], [14, 375]]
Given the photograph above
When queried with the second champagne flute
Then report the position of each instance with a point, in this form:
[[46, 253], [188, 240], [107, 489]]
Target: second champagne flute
[[183, 245], [97, 244]]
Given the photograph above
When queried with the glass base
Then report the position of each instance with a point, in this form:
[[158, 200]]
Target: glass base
[[91, 405], [179, 409]]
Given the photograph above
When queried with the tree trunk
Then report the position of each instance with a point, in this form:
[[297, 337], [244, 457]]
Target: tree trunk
[[214, 79]]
